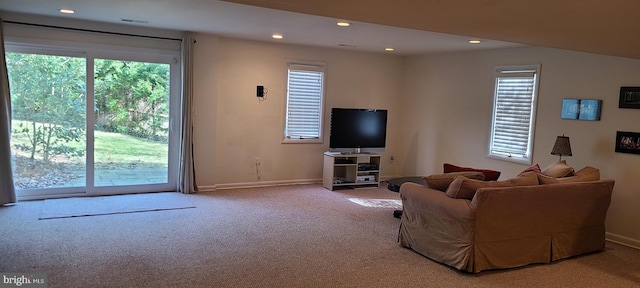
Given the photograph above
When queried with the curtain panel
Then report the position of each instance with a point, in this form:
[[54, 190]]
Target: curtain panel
[[7, 190], [187, 179]]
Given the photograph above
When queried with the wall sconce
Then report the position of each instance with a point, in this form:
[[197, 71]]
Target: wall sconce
[[562, 147]]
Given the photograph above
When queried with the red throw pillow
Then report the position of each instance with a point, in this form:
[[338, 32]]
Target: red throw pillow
[[489, 175], [534, 168]]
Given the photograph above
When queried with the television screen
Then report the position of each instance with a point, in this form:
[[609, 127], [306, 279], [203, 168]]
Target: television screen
[[358, 128]]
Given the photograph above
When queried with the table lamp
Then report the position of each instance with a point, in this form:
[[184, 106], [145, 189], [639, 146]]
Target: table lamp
[[562, 147]]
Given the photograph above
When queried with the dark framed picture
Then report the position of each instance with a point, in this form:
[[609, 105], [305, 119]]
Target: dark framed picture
[[629, 97], [628, 142], [581, 109]]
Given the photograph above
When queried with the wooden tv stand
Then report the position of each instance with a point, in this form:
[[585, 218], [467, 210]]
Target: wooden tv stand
[[351, 170]]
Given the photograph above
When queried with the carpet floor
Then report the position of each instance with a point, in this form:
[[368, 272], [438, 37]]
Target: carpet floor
[[290, 236]]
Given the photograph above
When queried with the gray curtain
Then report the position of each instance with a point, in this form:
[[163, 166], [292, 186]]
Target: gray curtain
[[187, 179], [7, 190]]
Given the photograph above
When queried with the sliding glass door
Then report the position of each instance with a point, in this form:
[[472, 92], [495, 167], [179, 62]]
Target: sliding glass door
[[131, 122], [48, 123], [87, 122]]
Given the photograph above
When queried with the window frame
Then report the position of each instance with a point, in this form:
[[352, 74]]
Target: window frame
[[312, 67], [525, 157]]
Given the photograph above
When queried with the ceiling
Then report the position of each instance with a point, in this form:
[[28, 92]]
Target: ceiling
[[409, 26]]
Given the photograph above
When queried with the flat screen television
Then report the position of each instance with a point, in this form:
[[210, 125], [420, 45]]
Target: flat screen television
[[353, 129]]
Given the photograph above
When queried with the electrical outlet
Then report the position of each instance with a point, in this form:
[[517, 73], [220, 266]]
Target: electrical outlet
[[258, 169]]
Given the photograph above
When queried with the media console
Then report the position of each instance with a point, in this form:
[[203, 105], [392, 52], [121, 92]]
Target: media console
[[351, 170]]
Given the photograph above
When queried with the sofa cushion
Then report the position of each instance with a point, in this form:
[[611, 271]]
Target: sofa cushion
[[489, 175], [465, 188], [534, 168], [558, 169], [441, 181], [587, 173]]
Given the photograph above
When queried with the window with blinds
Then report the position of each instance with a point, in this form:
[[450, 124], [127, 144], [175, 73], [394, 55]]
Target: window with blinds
[[514, 113], [305, 93]]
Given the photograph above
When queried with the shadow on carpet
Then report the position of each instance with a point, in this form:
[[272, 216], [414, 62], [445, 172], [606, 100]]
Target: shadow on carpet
[[116, 204]]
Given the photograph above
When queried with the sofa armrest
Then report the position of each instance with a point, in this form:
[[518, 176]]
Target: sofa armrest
[[424, 200], [437, 226], [447, 219]]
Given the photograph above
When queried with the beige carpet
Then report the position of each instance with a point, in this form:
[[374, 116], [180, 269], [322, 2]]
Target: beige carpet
[[291, 236], [117, 204]]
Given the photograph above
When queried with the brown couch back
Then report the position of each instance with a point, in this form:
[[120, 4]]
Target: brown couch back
[[505, 213]]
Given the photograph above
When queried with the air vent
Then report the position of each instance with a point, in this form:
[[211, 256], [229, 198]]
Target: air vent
[[134, 21], [346, 45]]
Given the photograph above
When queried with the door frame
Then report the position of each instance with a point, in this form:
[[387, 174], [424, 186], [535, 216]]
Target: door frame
[[90, 52]]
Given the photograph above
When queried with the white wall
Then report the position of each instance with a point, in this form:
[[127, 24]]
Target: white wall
[[448, 103], [232, 127]]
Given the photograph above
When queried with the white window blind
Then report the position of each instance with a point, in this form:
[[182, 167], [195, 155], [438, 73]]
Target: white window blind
[[514, 113], [304, 102]]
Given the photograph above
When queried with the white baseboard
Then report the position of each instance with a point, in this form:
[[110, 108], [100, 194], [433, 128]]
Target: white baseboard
[[210, 188], [257, 184], [626, 241]]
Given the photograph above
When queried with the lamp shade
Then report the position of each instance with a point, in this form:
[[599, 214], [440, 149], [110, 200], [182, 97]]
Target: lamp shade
[[562, 147]]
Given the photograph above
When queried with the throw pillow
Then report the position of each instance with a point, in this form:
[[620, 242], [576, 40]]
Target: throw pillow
[[441, 181], [534, 168], [587, 173], [465, 188], [558, 169], [489, 175]]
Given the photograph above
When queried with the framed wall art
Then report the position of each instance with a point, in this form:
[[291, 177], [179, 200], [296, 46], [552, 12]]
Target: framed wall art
[[629, 97], [628, 142], [581, 109]]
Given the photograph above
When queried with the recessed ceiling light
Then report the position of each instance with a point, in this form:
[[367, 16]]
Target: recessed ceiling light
[[388, 49], [67, 11], [474, 41], [343, 24], [277, 36]]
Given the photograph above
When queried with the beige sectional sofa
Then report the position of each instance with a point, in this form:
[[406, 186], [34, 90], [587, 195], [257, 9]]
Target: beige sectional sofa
[[505, 224]]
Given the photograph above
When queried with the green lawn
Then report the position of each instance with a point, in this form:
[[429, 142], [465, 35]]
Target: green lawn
[[120, 148], [109, 148]]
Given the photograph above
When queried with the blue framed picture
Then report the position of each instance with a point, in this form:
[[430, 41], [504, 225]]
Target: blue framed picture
[[581, 109], [570, 108]]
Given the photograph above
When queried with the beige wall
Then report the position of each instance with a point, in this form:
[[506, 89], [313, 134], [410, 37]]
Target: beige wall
[[232, 127], [447, 108]]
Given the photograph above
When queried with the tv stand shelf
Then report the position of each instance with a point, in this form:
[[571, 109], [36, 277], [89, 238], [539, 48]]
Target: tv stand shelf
[[351, 170]]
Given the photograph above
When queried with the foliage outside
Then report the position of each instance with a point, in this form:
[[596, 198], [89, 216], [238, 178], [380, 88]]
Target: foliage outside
[[48, 96]]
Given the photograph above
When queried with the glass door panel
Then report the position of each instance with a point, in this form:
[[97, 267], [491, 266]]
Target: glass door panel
[[131, 135], [48, 103], [89, 125]]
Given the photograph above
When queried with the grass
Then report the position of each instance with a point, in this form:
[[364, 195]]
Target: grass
[[120, 148], [112, 151], [109, 147]]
